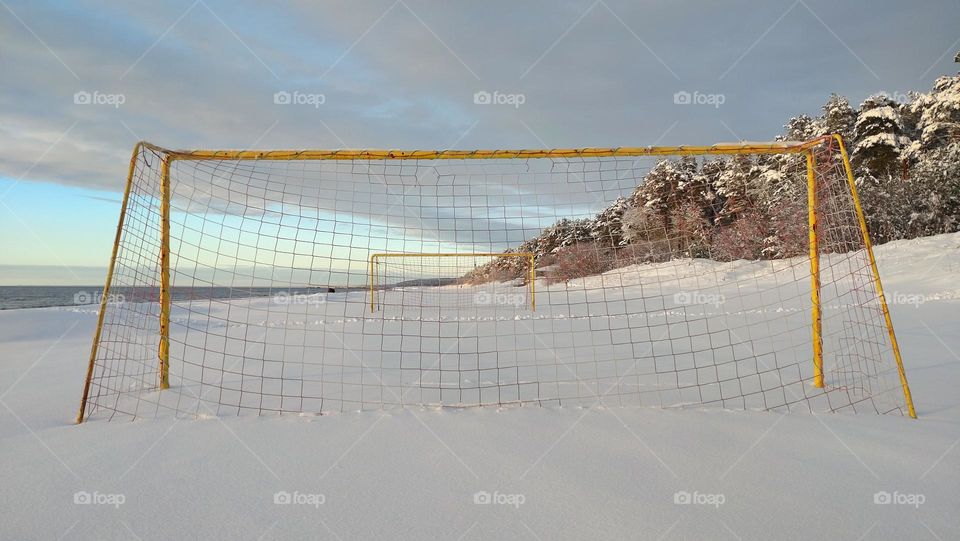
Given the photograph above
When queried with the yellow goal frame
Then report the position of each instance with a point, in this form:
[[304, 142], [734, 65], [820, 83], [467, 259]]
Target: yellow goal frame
[[784, 147]]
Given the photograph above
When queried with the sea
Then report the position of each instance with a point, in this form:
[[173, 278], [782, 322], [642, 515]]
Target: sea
[[17, 297]]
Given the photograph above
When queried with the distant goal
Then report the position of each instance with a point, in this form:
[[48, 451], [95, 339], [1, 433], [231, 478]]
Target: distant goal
[[737, 276], [453, 281]]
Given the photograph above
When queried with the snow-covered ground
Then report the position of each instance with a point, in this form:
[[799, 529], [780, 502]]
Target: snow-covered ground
[[548, 472]]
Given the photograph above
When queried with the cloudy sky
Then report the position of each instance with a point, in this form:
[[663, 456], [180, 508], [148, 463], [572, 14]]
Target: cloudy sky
[[83, 81]]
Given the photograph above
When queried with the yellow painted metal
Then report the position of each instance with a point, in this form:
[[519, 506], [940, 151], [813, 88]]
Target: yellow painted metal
[[361, 154], [533, 283], [106, 287], [164, 349], [817, 319], [526, 255], [876, 278], [372, 293]]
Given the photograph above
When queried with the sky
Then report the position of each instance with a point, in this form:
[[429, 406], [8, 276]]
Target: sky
[[83, 81]]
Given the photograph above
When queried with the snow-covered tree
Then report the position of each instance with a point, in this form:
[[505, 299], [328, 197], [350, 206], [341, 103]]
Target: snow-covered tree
[[935, 193], [878, 136], [907, 160], [737, 185], [607, 228], [691, 230], [566, 232], [838, 117], [641, 223], [661, 188], [938, 113], [800, 128]]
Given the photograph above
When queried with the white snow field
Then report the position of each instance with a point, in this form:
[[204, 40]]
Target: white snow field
[[602, 472]]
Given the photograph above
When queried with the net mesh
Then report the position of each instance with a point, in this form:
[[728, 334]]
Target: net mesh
[[313, 286]]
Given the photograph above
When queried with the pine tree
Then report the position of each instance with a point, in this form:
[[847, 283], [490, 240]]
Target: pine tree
[[691, 231], [607, 228], [737, 185], [713, 201], [838, 117], [665, 187], [800, 128], [938, 113], [935, 197], [878, 136]]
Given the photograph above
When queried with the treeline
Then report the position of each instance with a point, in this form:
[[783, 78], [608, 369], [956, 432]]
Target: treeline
[[906, 158]]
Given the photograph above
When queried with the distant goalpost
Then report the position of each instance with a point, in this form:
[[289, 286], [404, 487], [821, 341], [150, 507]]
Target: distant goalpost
[[738, 276]]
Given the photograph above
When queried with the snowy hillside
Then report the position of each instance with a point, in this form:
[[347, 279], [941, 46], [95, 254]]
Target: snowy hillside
[[517, 473]]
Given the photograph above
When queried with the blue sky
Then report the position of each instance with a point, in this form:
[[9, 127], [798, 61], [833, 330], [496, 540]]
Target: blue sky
[[403, 74], [67, 229]]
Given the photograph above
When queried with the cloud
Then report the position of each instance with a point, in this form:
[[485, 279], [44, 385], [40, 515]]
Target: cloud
[[402, 74]]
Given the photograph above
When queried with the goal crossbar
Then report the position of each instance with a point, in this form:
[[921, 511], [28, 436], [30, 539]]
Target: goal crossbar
[[719, 149]]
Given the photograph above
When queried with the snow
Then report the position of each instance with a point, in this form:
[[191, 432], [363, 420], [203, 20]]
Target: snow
[[571, 473], [785, 143], [877, 140], [880, 113]]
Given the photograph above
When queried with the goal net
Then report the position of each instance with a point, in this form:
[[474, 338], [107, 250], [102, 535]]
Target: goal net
[[268, 282]]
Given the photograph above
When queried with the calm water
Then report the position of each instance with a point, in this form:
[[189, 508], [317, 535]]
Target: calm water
[[13, 297]]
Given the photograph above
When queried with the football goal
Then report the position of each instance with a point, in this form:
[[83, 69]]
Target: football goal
[[738, 276]]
